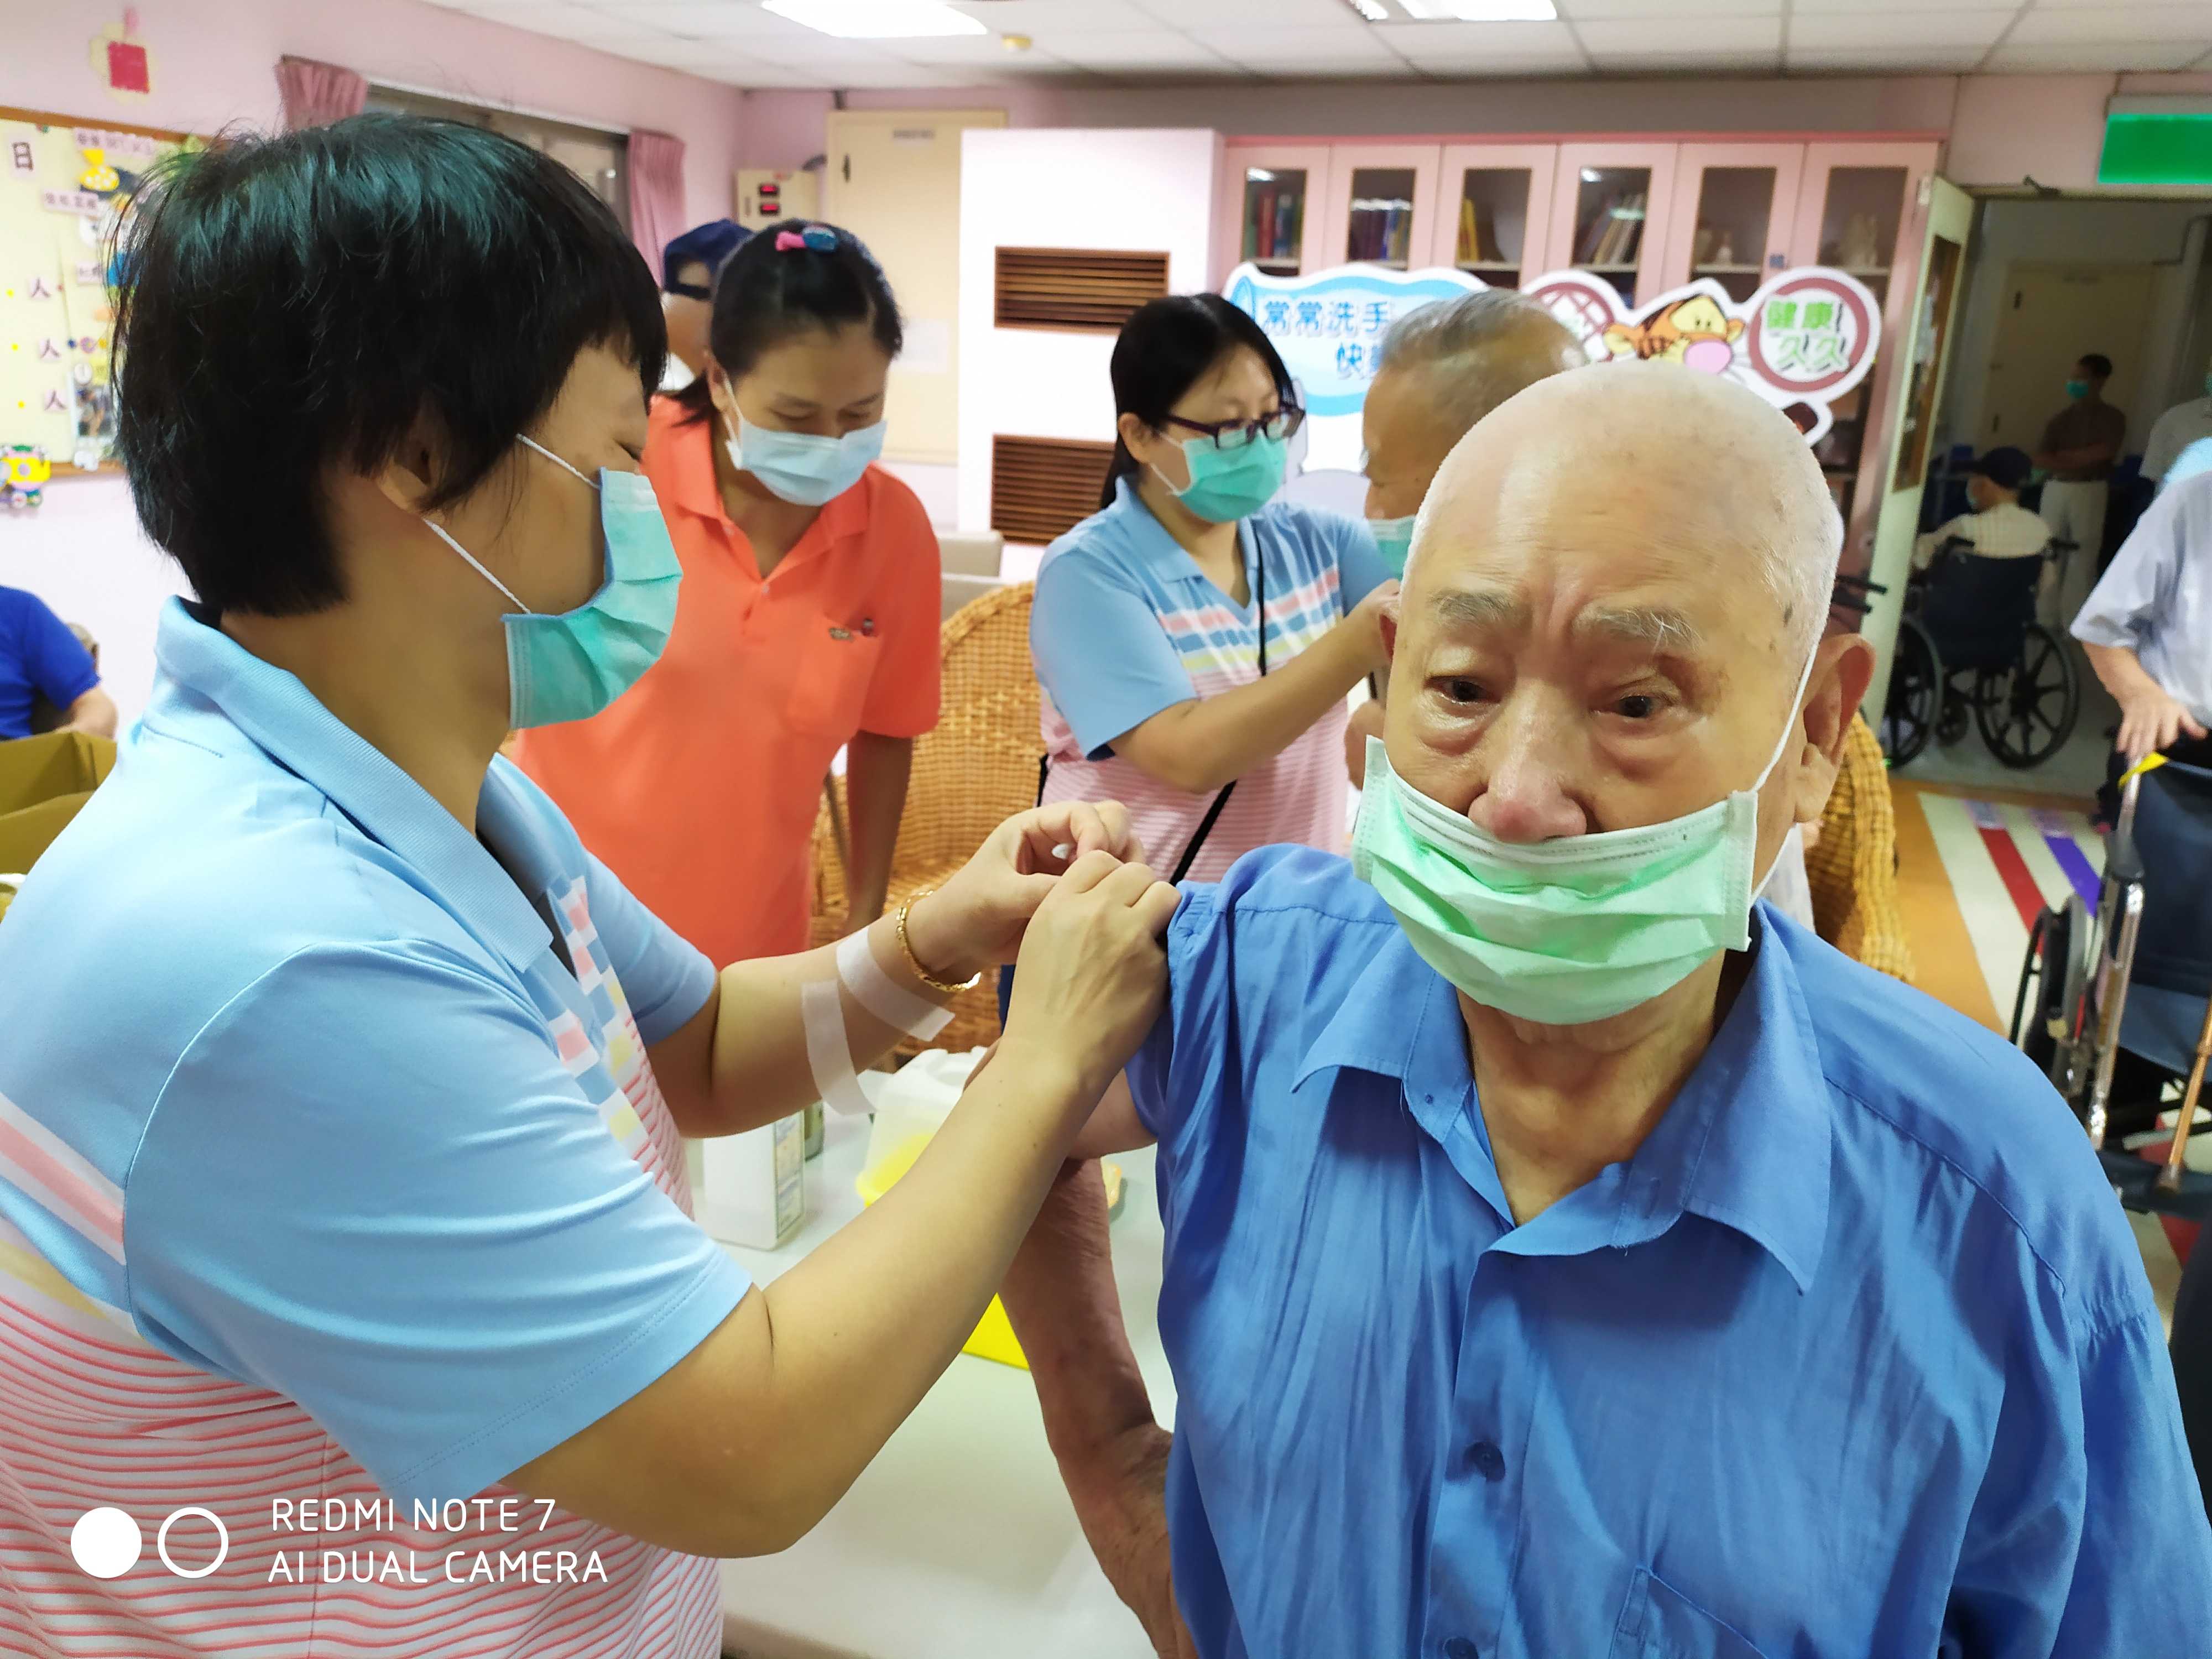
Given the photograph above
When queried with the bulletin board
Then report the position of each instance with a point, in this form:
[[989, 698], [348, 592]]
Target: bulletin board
[[63, 184]]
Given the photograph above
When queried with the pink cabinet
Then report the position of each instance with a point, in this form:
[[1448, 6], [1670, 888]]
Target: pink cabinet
[[1491, 216], [1733, 215], [1270, 202], [1379, 204], [1609, 207]]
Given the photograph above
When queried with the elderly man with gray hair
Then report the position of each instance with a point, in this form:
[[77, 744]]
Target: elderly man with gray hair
[[1565, 1254]]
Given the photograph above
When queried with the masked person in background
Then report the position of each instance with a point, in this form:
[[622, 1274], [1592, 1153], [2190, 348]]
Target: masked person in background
[[809, 621], [1565, 1257]]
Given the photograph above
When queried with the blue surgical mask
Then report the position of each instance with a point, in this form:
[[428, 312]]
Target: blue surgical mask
[[2077, 388], [803, 469], [1572, 930], [569, 666], [1228, 485], [1396, 538]]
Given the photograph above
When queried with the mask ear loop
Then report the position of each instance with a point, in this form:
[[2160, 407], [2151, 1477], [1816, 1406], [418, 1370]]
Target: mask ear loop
[[557, 461], [1782, 743], [438, 531]]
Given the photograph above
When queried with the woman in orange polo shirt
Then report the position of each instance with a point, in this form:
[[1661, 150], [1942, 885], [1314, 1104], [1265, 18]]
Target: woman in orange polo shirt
[[807, 622]]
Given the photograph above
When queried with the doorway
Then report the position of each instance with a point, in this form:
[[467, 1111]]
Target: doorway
[[2049, 315], [893, 179]]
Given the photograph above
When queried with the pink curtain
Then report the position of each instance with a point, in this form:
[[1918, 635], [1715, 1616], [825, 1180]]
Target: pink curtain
[[316, 95], [656, 193]]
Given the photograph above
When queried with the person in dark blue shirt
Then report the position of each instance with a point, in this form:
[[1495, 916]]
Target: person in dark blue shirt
[[1566, 1253], [39, 657]]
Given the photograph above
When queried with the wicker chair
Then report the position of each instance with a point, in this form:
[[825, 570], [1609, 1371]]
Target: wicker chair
[[1852, 868], [976, 770]]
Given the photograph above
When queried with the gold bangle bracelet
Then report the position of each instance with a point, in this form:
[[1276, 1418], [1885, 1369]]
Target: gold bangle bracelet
[[943, 987]]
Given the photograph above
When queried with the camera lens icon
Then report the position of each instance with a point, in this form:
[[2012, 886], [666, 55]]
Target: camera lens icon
[[106, 1542]]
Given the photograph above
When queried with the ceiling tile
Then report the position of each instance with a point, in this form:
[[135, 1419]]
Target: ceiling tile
[[974, 50], [2084, 57], [707, 20], [1803, 8], [1586, 11], [837, 72], [1923, 60], [2113, 25], [1040, 17], [1463, 66], [1154, 48], [1931, 28], [1314, 45], [562, 21], [1260, 13], [1422, 43], [1620, 36], [1719, 61]]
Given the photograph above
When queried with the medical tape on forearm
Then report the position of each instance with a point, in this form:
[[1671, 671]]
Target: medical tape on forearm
[[884, 996], [829, 1052]]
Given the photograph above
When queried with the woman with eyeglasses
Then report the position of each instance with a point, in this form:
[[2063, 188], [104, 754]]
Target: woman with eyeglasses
[[1196, 638]]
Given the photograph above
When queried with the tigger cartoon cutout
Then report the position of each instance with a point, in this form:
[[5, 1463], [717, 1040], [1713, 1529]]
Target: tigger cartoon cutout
[[1694, 332]]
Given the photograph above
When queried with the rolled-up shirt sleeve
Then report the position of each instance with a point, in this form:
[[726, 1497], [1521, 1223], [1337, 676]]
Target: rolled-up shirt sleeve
[[2139, 583]]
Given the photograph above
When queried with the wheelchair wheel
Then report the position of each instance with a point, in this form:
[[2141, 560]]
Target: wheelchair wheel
[[1958, 714], [1916, 693], [2027, 711], [2049, 1011]]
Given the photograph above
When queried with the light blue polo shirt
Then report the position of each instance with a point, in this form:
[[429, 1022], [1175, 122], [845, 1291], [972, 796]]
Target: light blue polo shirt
[[372, 1090], [1855, 1356]]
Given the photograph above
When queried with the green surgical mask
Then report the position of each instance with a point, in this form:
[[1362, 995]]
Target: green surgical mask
[[2077, 388], [1396, 538], [1228, 485], [1572, 930]]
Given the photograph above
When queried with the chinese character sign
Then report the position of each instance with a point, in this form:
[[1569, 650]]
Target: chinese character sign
[[1800, 342]]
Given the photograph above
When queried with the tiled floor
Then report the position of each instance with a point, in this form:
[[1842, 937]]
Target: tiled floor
[[1974, 866]]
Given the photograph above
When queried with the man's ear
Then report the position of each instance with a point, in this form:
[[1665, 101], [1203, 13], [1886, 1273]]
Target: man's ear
[[1388, 621], [409, 477], [1843, 668]]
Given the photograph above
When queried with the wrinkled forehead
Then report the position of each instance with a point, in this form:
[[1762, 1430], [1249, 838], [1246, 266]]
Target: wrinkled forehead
[[1631, 542]]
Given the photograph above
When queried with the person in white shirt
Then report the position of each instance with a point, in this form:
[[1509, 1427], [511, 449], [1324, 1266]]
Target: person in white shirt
[[2147, 628], [2175, 430], [1998, 527]]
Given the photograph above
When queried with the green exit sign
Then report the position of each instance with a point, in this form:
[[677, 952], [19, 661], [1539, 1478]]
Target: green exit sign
[[2163, 149]]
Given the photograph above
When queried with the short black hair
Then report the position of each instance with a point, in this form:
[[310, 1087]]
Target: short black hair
[[1167, 347], [290, 303], [769, 290], [2099, 365]]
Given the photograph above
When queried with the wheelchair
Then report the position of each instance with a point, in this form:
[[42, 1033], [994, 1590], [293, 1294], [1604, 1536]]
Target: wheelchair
[[1970, 649], [2116, 1006]]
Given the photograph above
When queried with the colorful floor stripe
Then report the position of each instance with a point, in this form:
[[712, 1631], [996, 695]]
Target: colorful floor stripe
[[2005, 862]]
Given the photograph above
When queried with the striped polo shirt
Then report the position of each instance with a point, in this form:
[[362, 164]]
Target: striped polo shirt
[[334, 1186], [1126, 625]]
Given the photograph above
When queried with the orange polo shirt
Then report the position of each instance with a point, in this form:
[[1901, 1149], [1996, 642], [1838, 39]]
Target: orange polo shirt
[[698, 785]]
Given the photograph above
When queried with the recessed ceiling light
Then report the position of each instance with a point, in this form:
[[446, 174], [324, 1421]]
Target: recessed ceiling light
[[1483, 11], [876, 20], [1373, 10]]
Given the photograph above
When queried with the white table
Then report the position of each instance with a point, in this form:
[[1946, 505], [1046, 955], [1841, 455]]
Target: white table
[[957, 1542]]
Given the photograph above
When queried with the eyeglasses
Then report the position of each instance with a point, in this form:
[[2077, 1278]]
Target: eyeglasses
[[1235, 434]]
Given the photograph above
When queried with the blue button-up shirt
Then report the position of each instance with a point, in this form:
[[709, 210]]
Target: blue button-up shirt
[[2155, 597], [1854, 1356]]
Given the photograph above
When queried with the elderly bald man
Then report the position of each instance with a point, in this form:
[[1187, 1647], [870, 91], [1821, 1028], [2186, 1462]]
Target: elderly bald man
[[1565, 1255]]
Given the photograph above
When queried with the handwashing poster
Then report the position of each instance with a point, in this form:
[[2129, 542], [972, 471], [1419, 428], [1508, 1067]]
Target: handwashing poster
[[1802, 342]]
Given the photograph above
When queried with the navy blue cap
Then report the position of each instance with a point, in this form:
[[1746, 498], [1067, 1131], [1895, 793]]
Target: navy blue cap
[[2007, 468], [708, 244]]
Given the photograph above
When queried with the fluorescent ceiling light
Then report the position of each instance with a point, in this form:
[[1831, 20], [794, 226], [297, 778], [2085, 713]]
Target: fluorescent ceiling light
[[1480, 11], [877, 20], [1373, 10]]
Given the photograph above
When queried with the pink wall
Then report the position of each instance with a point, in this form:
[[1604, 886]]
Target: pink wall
[[1999, 126], [215, 63]]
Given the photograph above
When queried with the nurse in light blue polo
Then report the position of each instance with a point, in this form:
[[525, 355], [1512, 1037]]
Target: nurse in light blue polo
[[342, 1088]]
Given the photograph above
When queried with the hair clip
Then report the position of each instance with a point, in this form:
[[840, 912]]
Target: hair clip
[[814, 238]]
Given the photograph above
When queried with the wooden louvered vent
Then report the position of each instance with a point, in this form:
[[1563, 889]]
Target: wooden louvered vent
[[1041, 488], [1068, 287]]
